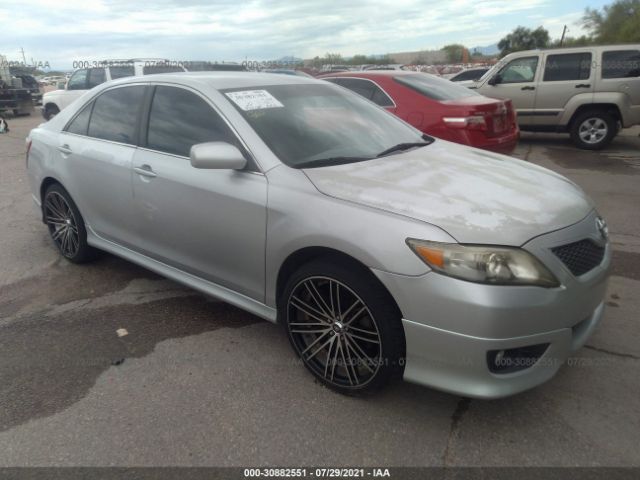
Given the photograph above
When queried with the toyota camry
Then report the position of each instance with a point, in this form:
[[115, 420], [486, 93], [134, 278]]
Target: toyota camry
[[383, 252]]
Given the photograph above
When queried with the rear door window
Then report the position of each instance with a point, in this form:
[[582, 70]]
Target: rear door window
[[180, 119], [361, 87], [78, 80], [621, 64], [153, 69], [115, 114], [568, 66], [96, 77], [121, 71]]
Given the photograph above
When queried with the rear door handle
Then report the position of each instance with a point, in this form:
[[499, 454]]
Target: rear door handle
[[583, 85], [145, 170], [528, 88], [65, 149]]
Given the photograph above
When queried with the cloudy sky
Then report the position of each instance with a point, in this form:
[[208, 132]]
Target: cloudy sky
[[61, 31]]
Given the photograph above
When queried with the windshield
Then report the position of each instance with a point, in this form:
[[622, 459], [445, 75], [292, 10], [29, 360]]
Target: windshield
[[434, 87], [307, 125], [488, 73]]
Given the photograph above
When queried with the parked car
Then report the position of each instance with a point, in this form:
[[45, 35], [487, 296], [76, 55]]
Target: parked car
[[205, 66], [287, 71], [469, 76], [383, 252], [87, 78], [588, 92], [438, 107], [396, 66]]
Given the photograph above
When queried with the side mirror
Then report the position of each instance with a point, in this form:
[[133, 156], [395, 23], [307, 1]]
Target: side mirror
[[495, 80], [61, 86], [217, 155]]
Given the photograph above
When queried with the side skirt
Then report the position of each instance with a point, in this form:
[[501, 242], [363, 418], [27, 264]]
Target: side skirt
[[191, 281]]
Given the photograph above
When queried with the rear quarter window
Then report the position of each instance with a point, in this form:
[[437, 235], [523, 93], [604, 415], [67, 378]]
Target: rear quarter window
[[80, 124], [621, 64]]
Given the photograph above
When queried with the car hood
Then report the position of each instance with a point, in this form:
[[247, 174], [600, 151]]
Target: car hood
[[476, 196]]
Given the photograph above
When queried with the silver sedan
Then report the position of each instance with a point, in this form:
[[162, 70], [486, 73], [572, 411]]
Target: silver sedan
[[384, 253]]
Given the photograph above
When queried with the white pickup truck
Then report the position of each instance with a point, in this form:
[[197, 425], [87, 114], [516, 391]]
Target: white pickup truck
[[86, 78]]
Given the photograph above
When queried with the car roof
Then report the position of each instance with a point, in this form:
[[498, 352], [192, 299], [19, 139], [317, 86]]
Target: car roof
[[371, 73], [221, 80], [619, 46]]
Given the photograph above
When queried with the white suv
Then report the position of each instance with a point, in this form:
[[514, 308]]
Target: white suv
[[86, 78]]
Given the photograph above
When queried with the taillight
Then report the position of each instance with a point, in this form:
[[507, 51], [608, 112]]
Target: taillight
[[472, 122], [28, 150]]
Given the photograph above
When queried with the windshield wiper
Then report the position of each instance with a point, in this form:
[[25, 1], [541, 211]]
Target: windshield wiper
[[326, 162], [403, 146]]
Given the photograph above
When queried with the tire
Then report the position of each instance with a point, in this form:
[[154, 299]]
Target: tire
[[50, 111], [336, 336], [593, 129], [66, 225]]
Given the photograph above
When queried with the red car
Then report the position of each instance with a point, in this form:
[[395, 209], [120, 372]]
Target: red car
[[438, 107]]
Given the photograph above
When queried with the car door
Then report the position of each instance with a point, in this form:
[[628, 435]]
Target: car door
[[76, 86], [97, 146], [210, 223], [565, 76], [516, 81]]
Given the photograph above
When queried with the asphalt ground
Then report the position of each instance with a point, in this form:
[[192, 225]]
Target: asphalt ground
[[197, 382]]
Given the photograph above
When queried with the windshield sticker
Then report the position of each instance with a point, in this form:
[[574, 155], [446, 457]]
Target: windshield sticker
[[249, 100]]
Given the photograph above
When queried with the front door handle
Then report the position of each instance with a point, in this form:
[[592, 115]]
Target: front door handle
[[528, 88], [65, 149], [583, 85], [145, 170]]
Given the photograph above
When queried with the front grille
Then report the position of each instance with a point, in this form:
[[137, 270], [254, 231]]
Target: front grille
[[580, 257]]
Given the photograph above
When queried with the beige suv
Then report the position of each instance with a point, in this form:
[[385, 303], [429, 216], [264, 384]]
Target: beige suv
[[589, 92]]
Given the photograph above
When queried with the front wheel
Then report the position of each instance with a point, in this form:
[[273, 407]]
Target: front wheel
[[344, 326], [593, 130]]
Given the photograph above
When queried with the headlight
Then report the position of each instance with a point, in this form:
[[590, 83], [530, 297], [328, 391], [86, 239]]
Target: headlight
[[484, 264]]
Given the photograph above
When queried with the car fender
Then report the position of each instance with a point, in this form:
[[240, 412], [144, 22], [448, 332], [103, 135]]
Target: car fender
[[374, 238], [618, 99]]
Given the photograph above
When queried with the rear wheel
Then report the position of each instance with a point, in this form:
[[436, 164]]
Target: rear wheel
[[344, 326], [593, 130], [50, 111], [66, 225]]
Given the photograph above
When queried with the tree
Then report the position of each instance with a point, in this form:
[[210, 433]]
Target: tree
[[359, 60], [616, 23], [454, 52], [333, 59], [581, 41], [523, 38]]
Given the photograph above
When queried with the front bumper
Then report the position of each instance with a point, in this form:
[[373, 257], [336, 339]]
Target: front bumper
[[458, 363], [452, 326]]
